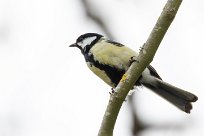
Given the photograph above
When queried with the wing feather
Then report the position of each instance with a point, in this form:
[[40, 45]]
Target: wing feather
[[113, 55]]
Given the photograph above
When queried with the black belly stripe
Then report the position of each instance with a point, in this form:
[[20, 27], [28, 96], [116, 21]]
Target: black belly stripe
[[114, 74]]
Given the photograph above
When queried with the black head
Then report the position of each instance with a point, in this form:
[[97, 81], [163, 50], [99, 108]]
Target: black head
[[86, 41]]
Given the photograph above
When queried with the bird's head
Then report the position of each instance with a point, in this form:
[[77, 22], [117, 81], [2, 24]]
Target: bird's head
[[86, 41]]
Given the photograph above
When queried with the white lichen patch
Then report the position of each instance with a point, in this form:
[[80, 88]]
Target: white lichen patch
[[107, 114], [144, 51]]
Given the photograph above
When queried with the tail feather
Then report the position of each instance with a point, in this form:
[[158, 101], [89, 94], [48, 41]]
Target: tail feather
[[178, 97], [177, 91]]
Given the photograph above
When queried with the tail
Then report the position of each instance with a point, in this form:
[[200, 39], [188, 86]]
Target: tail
[[178, 97]]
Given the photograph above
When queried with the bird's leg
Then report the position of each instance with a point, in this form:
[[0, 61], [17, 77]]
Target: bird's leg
[[141, 48], [133, 59], [112, 91]]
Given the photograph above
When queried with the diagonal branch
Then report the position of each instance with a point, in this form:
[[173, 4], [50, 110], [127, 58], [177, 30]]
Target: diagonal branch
[[146, 55]]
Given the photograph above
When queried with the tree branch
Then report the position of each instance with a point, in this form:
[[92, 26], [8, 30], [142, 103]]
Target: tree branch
[[146, 55]]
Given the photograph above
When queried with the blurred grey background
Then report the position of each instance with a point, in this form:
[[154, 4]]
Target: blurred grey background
[[46, 88]]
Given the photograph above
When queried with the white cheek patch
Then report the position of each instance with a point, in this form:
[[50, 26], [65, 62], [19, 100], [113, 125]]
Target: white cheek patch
[[86, 41], [80, 44]]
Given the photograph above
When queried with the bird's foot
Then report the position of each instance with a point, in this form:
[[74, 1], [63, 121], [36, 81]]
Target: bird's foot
[[141, 48], [112, 91], [133, 59]]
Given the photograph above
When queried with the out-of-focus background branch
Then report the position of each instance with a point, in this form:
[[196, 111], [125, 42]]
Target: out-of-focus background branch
[[96, 17], [137, 124]]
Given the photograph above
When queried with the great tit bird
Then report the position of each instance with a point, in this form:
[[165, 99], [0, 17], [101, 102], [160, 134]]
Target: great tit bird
[[109, 60]]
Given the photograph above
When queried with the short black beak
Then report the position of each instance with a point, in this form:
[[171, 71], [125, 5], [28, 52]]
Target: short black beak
[[73, 45]]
